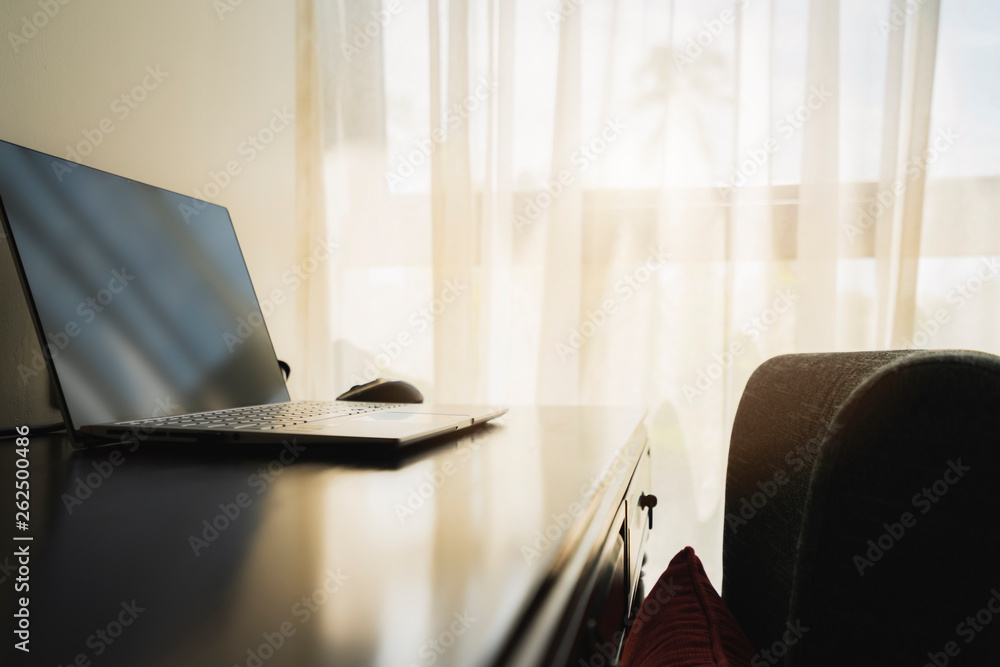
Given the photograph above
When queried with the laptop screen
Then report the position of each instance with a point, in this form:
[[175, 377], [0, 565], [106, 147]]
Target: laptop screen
[[142, 295]]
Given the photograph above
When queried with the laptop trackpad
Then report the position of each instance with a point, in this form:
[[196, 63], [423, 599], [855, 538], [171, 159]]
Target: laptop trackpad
[[389, 424], [409, 417]]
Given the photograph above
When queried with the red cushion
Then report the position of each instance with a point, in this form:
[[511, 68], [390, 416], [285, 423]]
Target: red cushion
[[684, 622]]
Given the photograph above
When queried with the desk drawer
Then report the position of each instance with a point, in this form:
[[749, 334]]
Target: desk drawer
[[617, 589], [637, 501], [600, 636]]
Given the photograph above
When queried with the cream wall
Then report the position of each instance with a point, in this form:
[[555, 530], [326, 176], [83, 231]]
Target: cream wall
[[210, 79]]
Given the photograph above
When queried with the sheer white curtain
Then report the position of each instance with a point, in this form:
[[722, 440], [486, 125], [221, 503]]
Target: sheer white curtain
[[638, 201]]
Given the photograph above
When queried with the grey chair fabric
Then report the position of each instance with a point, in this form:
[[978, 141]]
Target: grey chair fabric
[[862, 509]]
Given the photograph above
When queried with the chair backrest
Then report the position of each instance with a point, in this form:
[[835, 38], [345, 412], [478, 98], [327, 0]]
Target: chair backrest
[[861, 507]]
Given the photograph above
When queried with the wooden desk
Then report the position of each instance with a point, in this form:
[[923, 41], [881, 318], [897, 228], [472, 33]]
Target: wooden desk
[[502, 546]]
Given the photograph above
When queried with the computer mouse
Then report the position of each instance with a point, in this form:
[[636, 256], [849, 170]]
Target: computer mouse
[[383, 390]]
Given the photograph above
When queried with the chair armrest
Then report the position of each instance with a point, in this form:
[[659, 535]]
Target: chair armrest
[[785, 415], [900, 541]]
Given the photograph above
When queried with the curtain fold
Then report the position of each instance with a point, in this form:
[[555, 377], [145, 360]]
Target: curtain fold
[[558, 367], [915, 120], [497, 210], [313, 302], [636, 203], [819, 197], [455, 227]]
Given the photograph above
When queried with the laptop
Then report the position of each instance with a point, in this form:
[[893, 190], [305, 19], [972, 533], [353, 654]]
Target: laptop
[[150, 326]]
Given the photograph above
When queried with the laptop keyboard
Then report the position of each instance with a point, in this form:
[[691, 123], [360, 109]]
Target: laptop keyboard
[[267, 417]]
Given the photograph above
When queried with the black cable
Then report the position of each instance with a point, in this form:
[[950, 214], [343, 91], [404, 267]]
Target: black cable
[[11, 431]]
